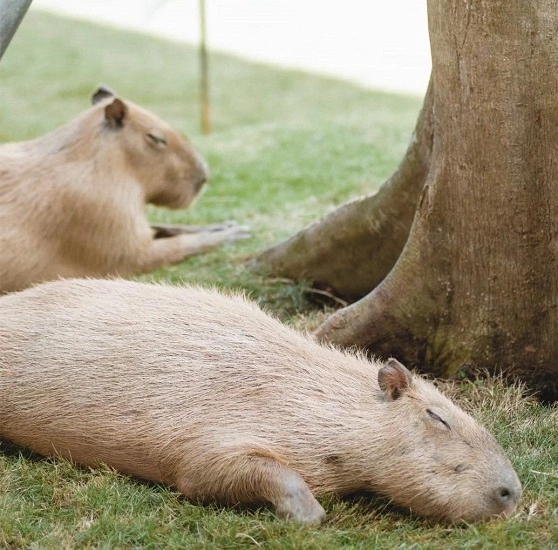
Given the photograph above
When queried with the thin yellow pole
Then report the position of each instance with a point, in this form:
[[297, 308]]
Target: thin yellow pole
[[204, 74]]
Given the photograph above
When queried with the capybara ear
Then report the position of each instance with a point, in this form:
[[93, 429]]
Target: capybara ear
[[115, 113], [102, 93], [394, 379]]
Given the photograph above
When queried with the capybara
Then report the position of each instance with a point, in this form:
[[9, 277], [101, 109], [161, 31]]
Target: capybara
[[72, 201], [209, 394]]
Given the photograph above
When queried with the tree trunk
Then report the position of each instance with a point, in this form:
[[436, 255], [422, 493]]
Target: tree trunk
[[476, 284], [366, 235]]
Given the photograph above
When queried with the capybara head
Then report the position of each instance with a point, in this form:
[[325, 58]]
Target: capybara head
[[442, 464], [168, 167]]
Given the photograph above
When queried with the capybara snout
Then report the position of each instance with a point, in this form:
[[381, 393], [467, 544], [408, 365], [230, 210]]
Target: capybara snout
[[209, 394]]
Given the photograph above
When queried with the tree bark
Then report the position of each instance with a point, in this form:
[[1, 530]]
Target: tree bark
[[11, 14], [476, 284], [367, 234]]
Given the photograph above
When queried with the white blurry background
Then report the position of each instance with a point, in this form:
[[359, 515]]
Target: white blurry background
[[379, 44]]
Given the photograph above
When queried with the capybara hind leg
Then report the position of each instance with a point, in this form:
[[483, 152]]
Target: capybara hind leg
[[252, 479]]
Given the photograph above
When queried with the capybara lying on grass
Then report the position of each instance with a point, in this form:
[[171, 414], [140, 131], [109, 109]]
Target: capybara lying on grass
[[209, 394], [72, 201]]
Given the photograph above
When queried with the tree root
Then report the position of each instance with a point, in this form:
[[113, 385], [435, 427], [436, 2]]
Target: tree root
[[352, 249]]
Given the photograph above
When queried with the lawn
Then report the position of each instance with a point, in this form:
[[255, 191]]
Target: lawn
[[287, 147]]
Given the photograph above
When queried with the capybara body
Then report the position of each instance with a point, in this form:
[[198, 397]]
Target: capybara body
[[72, 201], [209, 394]]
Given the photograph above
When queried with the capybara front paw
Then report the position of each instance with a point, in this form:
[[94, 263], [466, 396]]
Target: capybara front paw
[[236, 233]]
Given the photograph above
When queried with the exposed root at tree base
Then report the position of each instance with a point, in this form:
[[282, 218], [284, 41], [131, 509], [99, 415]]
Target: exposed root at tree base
[[363, 238]]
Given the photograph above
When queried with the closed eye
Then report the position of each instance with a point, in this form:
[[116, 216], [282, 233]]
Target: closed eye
[[435, 417], [157, 139]]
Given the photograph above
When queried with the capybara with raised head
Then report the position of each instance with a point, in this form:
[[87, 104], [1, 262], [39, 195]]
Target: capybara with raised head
[[209, 394], [72, 201]]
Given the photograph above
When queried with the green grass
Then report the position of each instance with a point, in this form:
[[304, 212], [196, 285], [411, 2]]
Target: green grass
[[287, 147]]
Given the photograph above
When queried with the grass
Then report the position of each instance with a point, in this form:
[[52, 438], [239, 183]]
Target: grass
[[287, 147]]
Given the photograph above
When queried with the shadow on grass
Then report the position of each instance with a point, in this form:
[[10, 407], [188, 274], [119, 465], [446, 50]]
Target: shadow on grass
[[365, 506], [11, 450]]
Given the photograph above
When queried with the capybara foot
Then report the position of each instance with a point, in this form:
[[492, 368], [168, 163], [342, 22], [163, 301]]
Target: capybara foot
[[296, 502], [303, 508]]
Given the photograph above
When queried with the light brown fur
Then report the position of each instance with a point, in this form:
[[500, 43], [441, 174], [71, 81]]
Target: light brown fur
[[207, 393], [72, 201]]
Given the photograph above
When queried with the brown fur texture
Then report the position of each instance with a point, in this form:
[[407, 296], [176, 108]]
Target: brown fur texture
[[208, 393], [72, 201]]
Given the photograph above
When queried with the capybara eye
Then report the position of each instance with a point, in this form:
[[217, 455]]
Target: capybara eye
[[157, 139], [435, 417]]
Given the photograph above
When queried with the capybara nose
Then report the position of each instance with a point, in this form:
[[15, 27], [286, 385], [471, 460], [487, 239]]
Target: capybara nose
[[202, 178], [507, 496], [202, 174]]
